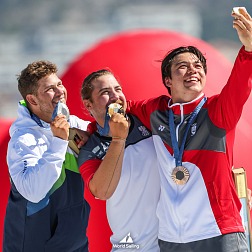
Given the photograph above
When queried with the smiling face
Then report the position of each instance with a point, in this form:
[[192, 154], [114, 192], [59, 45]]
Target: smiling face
[[50, 92], [105, 90], [188, 78]]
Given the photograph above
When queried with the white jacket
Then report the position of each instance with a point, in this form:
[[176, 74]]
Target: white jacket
[[35, 156]]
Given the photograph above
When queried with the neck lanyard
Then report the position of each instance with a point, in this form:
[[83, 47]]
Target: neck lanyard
[[37, 120], [103, 131], [179, 152]]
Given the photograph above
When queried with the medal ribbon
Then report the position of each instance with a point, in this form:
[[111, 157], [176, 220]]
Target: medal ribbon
[[104, 131], [179, 152]]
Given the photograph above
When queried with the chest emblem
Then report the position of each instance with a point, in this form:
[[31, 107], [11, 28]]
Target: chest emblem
[[193, 129], [161, 127]]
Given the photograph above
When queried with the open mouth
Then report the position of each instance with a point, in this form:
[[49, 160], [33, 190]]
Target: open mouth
[[193, 79], [119, 102]]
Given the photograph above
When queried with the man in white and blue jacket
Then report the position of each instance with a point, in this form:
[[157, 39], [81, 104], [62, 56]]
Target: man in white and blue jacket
[[46, 210]]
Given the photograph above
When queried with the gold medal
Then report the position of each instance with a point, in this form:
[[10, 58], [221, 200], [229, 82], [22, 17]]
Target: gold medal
[[115, 108], [180, 175]]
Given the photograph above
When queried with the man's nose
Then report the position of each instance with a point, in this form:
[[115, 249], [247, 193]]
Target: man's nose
[[114, 96], [191, 69], [59, 91]]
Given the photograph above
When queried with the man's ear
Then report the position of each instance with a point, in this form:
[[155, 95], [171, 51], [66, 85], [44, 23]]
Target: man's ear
[[31, 99], [87, 104], [167, 82]]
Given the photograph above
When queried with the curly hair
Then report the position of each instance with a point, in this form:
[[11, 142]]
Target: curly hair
[[29, 77]]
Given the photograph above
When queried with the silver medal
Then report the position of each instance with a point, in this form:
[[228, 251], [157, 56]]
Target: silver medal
[[61, 108]]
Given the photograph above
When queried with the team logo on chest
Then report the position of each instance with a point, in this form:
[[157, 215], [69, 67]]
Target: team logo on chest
[[161, 127], [193, 129]]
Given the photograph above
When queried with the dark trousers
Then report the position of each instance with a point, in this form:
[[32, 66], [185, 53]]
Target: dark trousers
[[234, 242]]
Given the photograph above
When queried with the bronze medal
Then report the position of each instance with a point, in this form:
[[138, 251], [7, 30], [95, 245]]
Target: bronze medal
[[180, 175]]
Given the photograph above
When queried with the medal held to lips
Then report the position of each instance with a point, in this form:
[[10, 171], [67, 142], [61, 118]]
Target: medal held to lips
[[115, 108], [180, 175], [61, 108]]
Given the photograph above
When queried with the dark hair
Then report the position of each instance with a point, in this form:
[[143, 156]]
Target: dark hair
[[167, 61], [87, 87], [29, 77]]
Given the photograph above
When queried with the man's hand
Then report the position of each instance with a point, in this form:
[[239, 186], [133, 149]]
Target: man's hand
[[243, 26], [84, 135], [60, 127], [119, 126]]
